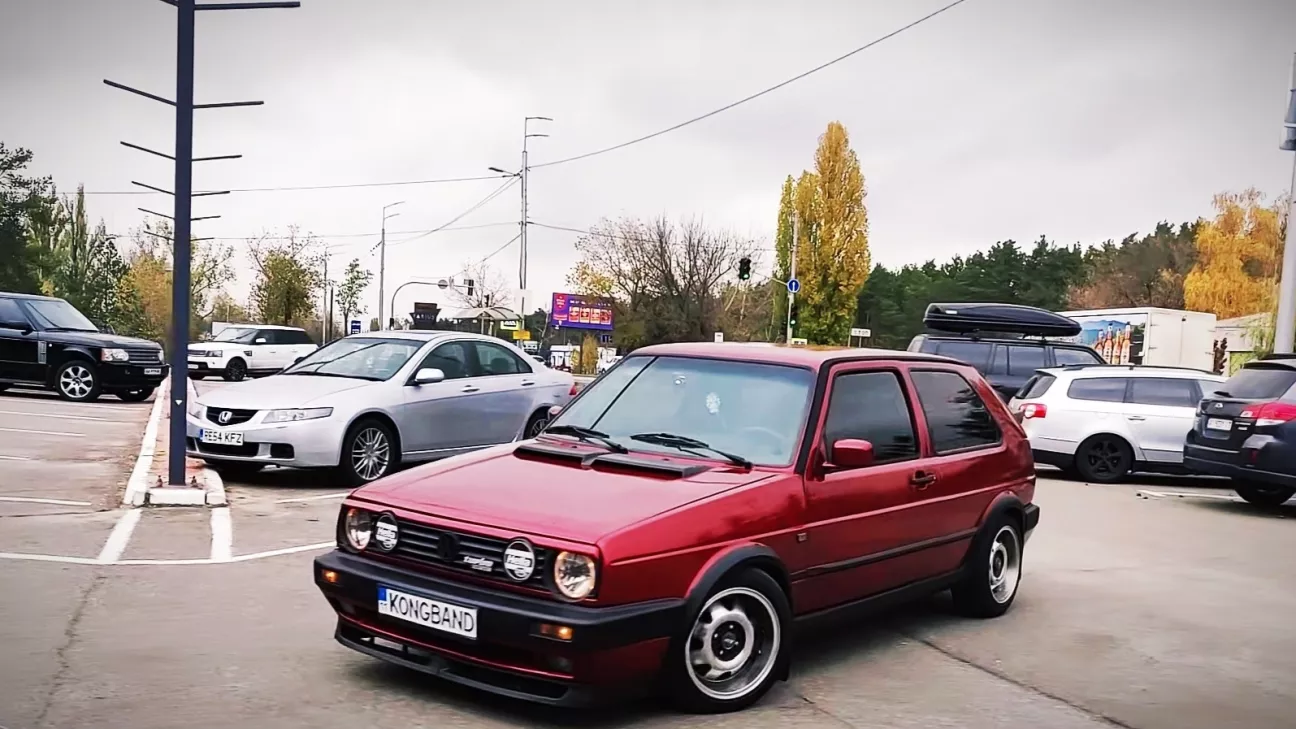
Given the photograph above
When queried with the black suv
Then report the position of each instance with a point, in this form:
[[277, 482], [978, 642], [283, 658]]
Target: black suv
[[1246, 430], [46, 342]]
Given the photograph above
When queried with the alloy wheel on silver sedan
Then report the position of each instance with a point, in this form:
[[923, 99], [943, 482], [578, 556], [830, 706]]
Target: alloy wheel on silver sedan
[[370, 453]]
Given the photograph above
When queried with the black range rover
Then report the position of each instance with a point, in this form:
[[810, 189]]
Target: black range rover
[[45, 342]]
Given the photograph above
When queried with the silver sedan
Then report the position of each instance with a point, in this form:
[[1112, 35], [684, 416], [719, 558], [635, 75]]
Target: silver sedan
[[365, 403]]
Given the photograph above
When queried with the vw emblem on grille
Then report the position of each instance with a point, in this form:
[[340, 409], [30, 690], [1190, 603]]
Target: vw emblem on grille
[[386, 533], [519, 560], [447, 546], [224, 416]]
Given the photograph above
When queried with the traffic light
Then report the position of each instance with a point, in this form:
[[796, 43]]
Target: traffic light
[[744, 268], [792, 318], [471, 285]]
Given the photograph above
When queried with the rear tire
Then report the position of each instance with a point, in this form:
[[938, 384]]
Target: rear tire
[[1104, 459], [369, 452], [139, 395], [734, 647], [236, 370], [993, 570], [1259, 495], [77, 381], [196, 376], [535, 425]]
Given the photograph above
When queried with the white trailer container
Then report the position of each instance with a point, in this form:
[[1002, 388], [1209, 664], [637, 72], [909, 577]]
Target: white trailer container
[[1149, 335]]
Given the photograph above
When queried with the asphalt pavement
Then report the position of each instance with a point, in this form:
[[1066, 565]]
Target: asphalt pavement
[[1160, 605]]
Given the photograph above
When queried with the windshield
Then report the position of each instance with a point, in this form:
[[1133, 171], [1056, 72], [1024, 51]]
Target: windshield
[[239, 335], [59, 315], [362, 358], [748, 409]]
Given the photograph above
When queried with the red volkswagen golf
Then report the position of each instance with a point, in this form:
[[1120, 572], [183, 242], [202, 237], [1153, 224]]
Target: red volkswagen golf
[[677, 519]]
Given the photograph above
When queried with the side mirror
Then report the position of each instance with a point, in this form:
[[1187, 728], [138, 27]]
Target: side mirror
[[852, 453], [260, 340], [298, 360], [428, 376], [553, 411], [21, 326]]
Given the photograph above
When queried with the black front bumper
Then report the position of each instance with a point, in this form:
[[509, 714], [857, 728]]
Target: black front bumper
[[508, 638], [121, 376]]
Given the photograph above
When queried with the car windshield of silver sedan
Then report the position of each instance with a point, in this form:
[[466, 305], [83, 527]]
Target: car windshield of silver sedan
[[238, 335], [745, 412], [60, 316], [361, 359]]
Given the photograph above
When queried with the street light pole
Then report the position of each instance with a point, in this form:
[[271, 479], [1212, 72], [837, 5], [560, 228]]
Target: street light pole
[[796, 230], [382, 262], [522, 252], [1285, 325]]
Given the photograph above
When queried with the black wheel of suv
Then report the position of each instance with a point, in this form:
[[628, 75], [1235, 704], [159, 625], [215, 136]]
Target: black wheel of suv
[[993, 570], [139, 395], [77, 380], [734, 647], [1104, 459], [196, 375], [236, 370], [369, 452], [1263, 495]]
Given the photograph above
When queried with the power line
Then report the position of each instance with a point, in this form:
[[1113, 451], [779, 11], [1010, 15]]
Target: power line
[[323, 236], [342, 186], [445, 226], [615, 236], [496, 252], [754, 96]]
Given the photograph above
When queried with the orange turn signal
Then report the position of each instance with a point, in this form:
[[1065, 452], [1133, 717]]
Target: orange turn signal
[[329, 576], [557, 632]]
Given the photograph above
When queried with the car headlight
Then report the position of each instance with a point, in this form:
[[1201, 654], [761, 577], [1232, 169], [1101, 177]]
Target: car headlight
[[204, 353], [574, 575], [114, 355], [358, 528], [292, 416], [195, 408]]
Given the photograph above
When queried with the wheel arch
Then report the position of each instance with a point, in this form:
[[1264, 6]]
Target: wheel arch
[[1112, 433], [65, 355], [381, 417], [1009, 504]]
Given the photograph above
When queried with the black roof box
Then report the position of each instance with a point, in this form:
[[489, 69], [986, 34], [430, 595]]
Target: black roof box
[[1007, 318]]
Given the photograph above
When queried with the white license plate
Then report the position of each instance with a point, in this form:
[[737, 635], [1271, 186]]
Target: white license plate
[[220, 437], [152, 370], [1219, 424], [192, 366], [428, 613]]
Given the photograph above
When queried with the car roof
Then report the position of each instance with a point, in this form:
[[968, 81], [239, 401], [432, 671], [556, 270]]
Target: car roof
[[29, 297], [1287, 361], [265, 326], [423, 335], [813, 356], [1130, 370]]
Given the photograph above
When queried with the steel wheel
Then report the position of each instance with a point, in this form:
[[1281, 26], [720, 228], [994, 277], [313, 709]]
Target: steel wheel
[[370, 453], [76, 381], [734, 644], [1104, 459], [1005, 564]]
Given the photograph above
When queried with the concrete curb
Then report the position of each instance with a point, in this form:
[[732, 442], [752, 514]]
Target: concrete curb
[[209, 490], [137, 484]]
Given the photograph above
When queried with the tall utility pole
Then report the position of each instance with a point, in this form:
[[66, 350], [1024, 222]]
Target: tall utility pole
[[796, 235], [325, 318], [182, 215], [382, 262], [1285, 326], [522, 246]]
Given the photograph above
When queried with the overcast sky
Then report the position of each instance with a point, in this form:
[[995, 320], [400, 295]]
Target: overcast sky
[[1078, 119]]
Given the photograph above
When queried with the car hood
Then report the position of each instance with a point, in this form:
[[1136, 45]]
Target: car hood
[[97, 339], [556, 499], [279, 392]]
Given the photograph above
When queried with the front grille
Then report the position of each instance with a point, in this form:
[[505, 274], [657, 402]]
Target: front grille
[[237, 417], [144, 356], [445, 548]]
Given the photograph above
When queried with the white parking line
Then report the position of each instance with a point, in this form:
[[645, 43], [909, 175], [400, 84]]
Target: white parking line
[[34, 500], [13, 458], [54, 415], [222, 535], [23, 557], [137, 484], [321, 497], [119, 537], [43, 432], [1186, 495]]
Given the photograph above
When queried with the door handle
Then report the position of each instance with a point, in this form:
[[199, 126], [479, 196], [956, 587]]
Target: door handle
[[1135, 417], [527, 383], [470, 388], [922, 480]]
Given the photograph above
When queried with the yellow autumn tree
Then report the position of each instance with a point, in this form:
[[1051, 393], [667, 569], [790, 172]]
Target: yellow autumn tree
[[832, 251], [1239, 257]]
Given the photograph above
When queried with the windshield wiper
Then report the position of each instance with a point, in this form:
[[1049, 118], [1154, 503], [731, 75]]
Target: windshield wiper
[[70, 329], [313, 373], [685, 443], [587, 435]]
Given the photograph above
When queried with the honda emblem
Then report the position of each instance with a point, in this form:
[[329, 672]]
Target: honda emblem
[[224, 416]]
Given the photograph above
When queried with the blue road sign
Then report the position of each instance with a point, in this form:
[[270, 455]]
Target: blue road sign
[[794, 285], [355, 326]]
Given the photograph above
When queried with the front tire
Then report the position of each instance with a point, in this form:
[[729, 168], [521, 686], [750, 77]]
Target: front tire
[[236, 370], [1267, 496], [139, 395], [535, 425], [735, 647], [993, 570], [368, 452], [77, 381], [1104, 459]]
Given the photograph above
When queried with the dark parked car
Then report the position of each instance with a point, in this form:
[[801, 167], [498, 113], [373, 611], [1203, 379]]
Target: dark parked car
[[1246, 431], [974, 334], [45, 342], [679, 515]]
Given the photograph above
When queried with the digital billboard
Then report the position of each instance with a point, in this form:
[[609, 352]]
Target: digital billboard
[[581, 312]]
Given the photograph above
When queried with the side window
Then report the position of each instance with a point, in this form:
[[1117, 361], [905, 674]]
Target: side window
[[495, 360], [1064, 356], [1209, 387], [871, 406], [957, 417], [1024, 360], [1170, 391], [998, 361], [265, 336], [976, 354], [1098, 389], [11, 313], [294, 336], [451, 358]]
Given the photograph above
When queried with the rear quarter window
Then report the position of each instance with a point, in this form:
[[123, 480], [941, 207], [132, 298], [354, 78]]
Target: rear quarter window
[[976, 354], [957, 417], [1036, 386], [1263, 382], [1069, 356]]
